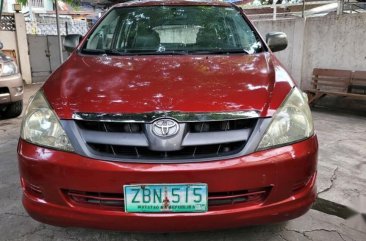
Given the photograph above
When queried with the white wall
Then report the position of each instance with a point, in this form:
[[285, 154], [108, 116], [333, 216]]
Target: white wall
[[291, 57], [21, 36], [337, 42], [8, 6], [47, 6]]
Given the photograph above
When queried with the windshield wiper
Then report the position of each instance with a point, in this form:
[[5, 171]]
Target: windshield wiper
[[172, 52], [133, 52], [184, 52], [122, 52], [153, 52], [220, 51], [112, 52], [102, 51]]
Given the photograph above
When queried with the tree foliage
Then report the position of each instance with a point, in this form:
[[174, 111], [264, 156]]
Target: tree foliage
[[73, 2]]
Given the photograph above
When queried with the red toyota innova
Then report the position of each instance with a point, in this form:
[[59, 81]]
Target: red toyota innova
[[169, 116]]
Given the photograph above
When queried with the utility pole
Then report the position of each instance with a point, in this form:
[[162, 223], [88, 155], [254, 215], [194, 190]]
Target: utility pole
[[30, 10], [340, 7], [1, 7], [59, 34]]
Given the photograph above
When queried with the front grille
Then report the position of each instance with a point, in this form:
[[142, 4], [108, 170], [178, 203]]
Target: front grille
[[202, 151], [4, 90], [96, 199], [241, 197], [216, 200], [229, 125], [201, 139], [111, 127]]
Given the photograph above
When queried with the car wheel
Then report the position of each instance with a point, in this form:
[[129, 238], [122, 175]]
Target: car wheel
[[13, 109]]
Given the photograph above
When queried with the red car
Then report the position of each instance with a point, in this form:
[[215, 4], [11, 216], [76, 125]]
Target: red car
[[169, 116]]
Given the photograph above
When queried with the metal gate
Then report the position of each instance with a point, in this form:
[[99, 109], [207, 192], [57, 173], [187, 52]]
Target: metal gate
[[44, 56]]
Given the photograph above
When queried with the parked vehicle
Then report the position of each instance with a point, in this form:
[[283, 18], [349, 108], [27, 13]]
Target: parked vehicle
[[11, 87], [169, 116]]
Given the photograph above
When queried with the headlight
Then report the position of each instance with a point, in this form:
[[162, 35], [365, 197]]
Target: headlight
[[41, 126], [8, 68], [291, 123]]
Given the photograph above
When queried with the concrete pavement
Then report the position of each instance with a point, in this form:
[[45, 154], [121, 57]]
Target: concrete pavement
[[341, 181]]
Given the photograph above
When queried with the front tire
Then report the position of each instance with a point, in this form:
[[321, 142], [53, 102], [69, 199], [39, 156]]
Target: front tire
[[13, 110]]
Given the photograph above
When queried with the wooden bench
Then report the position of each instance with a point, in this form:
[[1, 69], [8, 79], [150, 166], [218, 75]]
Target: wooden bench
[[358, 83], [337, 82]]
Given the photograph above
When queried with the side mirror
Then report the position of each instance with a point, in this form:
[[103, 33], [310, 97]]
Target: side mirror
[[72, 41], [276, 41], [1, 45]]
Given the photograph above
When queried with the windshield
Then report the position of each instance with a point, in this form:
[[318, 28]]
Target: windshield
[[173, 29]]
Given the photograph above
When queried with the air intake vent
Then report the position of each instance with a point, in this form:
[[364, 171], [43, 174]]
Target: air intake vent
[[115, 201], [202, 151]]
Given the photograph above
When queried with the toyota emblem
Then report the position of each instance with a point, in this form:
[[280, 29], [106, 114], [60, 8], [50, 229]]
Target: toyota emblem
[[165, 127]]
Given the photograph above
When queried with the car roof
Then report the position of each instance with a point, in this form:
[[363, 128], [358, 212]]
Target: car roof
[[174, 2]]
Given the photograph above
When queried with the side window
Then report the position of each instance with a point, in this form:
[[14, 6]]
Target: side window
[[102, 37]]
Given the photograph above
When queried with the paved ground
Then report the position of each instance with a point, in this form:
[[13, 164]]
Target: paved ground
[[342, 181]]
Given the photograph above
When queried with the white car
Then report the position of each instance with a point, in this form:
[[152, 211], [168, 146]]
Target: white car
[[11, 87]]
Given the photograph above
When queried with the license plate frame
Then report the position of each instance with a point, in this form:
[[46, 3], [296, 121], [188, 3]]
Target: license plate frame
[[193, 198]]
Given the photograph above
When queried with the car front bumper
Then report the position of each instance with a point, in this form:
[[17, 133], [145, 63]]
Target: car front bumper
[[287, 173], [15, 85]]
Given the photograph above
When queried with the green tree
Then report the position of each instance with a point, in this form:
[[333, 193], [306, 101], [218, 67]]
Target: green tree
[[73, 2]]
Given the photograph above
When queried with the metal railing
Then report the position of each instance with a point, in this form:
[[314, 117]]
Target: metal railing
[[36, 3], [308, 9], [7, 22], [352, 6]]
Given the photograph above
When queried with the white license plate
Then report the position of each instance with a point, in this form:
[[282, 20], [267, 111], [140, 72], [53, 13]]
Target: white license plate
[[155, 198]]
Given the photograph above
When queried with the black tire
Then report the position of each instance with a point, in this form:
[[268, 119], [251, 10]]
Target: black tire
[[13, 109]]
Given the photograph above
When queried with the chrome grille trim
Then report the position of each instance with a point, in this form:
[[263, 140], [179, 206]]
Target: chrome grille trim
[[249, 136], [210, 138], [139, 139], [115, 138], [149, 117]]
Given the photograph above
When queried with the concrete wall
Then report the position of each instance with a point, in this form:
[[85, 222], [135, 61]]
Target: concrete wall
[[325, 42], [335, 42], [291, 57], [21, 34]]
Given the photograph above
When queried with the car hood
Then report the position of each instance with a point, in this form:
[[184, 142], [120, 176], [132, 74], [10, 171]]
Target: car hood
[[185, 83]]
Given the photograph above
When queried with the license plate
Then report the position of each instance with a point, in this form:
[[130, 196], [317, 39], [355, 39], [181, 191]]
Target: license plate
[[156, 198]]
